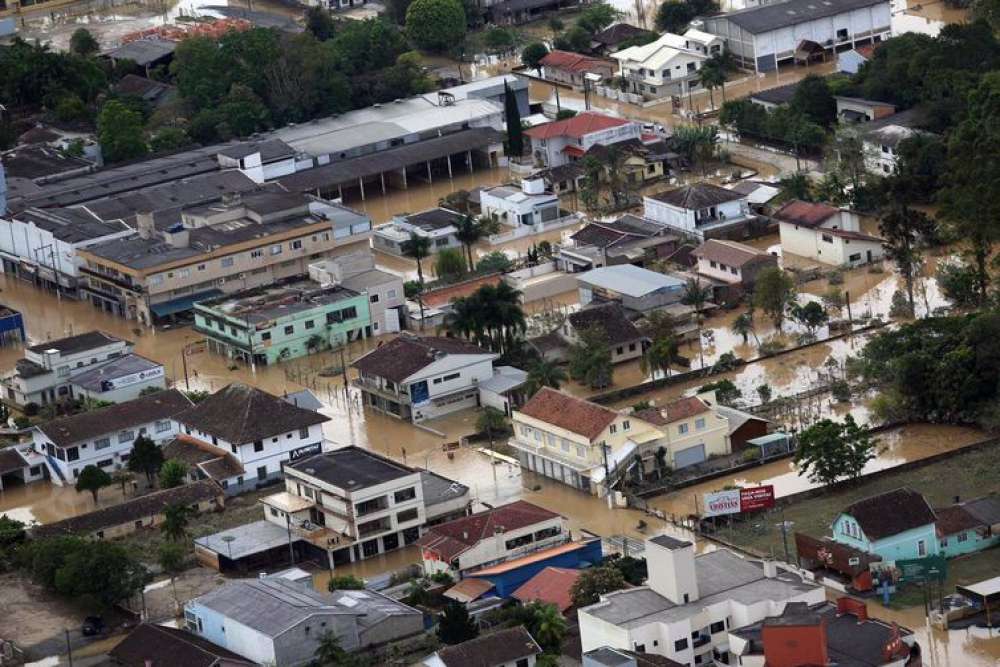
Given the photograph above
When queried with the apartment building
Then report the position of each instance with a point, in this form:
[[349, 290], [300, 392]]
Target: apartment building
[[246, 241], [44, 375], [104, 437], [356, 271]]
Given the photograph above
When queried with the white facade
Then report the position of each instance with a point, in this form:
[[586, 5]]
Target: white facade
[[695, 221], [504, 546], [838, 241], [551, 151], [529, 205], [667, 66]]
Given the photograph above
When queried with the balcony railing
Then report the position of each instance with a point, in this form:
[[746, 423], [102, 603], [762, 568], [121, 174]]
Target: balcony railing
[[118, 282], [372, 385]]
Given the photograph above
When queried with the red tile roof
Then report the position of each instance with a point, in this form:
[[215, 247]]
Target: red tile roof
[[577, 126], [683, 408], [448, 540], [568, 412], [401, 357], [573, 62], [954, 519], [552, 585], [806, 214]]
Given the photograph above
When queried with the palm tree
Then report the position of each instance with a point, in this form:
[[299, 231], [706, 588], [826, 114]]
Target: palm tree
[[329, 653], [711, 76], [175, 521], [659, 356], [468, 231], [418, 248], [549, 625], [696, 295], [658, 324], [744, 326], [544, 373], [463, 319]]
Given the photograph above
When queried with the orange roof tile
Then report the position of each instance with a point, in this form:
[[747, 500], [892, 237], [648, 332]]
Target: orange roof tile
[[533, 557], [552, 585], [577, 126], [568, 412]]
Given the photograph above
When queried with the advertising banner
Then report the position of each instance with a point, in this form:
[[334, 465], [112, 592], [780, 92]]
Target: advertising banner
[[722, 502], [734, 501]]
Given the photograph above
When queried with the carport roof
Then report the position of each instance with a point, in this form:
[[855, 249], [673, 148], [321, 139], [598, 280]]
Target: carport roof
[[247, 540]]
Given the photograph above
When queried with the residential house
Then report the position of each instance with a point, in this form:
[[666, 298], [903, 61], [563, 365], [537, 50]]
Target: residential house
[[638, 161], [527, 205], [465, 545], [246, 241], [881, 138], [128, 516], [151, 645], [689, 603], [824, 633], [838, 563], [858, 110], [895, 525], [507, 577], [613, 38], [744, 427], [851, 60], [691, 430], [705, 42], [44, 375], [570, 68], [702, 210], [635, 289], [732, 263], [762, 37], [272, 620], [104, 437], [439, 225], [969, 526], [552, 585], [284, 320], [118, 380], [563, 141], [759, 194], [154, 93], [569, 439], [386, 299], [627, 240], [773, 98], [624, 339], [506, 390], [260, 430], [205, 461], [826, 234], [20, 465], [422, 377], [508, 647], [665, 67], [350, 504]]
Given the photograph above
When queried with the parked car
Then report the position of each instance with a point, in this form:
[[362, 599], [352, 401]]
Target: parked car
[[93, 626]]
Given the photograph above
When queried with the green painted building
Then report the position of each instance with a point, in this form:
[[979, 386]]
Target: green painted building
[[282, 321]]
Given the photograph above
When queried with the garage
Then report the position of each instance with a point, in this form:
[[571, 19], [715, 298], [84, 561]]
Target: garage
[[688, 457]]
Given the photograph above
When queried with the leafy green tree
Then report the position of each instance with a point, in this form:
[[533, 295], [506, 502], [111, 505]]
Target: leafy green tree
[[320, 23], [450, 263], [172, 473], [903, 229], [697, 295], [95, 574], [547, 626], [454, 625], [590, 359], [814, 100], [743, 326], [494, 262], [544, 373], [92, 479], [774, 291], [120, 132], [418, 248], [576, 39], [920, 169], [175, 521], [83, 43], [725, 391], [435, 25], [595, 582], [512, 119], [661, 355], [500, 40], [196, 395], [532, 56], [673, 16], [345, 582], [597, 17], [169, 139], [146, 458], [796, 186], [811, 315], [172, 558], [829, 451], [72, 108], [959, 283], [765, 392], [329, 652]]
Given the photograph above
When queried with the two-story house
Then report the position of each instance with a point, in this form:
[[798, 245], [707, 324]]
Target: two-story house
[[699, 209], [104, 437], [356, 271], [45, 373], [665, 67], [895, 525], [497, 535], [882, 137], [527, 205], [691, 431], [570, 68], [563, 141], [569, 439], [624, 339], [690, 603], [735, 265], [353, 504], [826, 234], [636, 289], [260, 430], [437, 225], [422, 377]]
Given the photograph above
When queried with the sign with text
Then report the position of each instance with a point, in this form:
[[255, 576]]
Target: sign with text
[[734, 501]]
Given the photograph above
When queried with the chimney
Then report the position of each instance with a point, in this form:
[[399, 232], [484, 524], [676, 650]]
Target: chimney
[[795, 642], [671, 569], [770, 568], [178, 238], [144, 224]]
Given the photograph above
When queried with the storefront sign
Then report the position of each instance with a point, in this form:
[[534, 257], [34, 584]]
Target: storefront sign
[[133, 378], [308, 450], [734, 501], [756, 498]]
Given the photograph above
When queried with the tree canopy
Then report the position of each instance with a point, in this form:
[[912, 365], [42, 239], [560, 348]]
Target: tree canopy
[[435, 25], [594, 582], [93, 479], [830, 451]]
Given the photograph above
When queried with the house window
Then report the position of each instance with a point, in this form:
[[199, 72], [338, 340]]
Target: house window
[[126, 436], [289, 330], [565, 446], [390, 294], [613, 428], [963, 537], [297, 244], [856, 257], [827, 238], [226, 262], [102, 443], [681, 645], [619, 350], [631, 347], [546, 533], [699, 424], [256, 254], [184, 273], [452, 376], [523, 662], [201, 267], [276, 249], [304, 432], [258, 445], [407, 515], [105, 463], [162, 425], [944, 542], [626, 425], [716, 627], [519, 541], [373, 298], [262, 473], [682, 429], [842, 34], [581, 451], [404, 495], [921, 548], [310, 324]]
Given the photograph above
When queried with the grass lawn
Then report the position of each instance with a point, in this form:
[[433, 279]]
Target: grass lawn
[[964, 570]]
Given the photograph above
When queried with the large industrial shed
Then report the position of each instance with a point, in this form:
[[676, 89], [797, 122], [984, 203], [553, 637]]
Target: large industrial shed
[[761, 38]]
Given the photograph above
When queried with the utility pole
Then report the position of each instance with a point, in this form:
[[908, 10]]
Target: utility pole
[[607, 475], [291, 548], [69, 648]]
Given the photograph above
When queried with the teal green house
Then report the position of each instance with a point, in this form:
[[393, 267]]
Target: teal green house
[[290, 319], [895, 525], [969, 526]]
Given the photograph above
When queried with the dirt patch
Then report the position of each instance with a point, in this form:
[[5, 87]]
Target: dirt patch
[[190, 584]]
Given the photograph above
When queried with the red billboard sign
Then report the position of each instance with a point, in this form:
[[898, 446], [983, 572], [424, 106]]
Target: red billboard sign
[[755, 498]]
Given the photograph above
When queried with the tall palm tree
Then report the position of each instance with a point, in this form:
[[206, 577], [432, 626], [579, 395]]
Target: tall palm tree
[[468, 231], [659, 356], [544, 373], [658, 324], [549, 625], [744, 326], [175, 521], [696, 295], [711, 77], [463, 319], [418, 248]]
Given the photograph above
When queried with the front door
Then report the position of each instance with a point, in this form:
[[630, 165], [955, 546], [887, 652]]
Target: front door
[[921, 548]]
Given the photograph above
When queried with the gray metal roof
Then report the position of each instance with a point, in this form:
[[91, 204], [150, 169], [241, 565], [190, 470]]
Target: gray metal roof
[[116, 368], [630, 280], [768, 18], [248, 539], [143, 51], [304, 399], [351, 468], [71, 225], [370, 278], [438, 489]]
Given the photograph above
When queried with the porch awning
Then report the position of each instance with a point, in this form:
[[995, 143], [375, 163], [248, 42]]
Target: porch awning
[[180, 304]]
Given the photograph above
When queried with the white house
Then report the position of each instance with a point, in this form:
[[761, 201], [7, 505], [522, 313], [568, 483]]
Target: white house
[[689, 603], [826, 234], [118, 380], [529, 205], [422, 377], [487, 538], [699, 209], [260, 430], [636, 289], [774, 33], [357, 272], [731, 262], [562, 141], [104, 437], [667, 66], [881, 138], [437, 225], [46, 372]]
